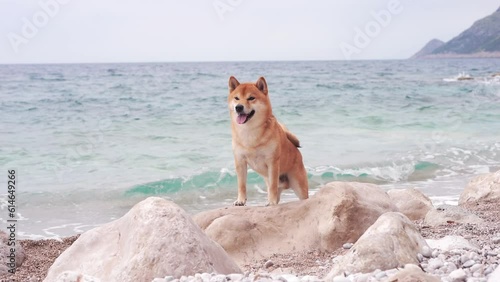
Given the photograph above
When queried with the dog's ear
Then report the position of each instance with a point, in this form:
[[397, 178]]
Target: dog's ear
[[233, 83], [262, 85]]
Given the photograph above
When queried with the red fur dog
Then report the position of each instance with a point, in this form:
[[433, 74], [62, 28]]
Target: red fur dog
[[261, 142]]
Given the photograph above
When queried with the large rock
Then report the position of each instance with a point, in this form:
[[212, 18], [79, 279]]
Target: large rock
[[445, 214], [483, 188], [154, 239], [391, 242], [5, 252], [411, 202], [340, 212]]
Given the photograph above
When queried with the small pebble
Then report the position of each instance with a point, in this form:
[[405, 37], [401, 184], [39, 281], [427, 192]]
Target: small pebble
[[476, 275], [218, 278], [469, 263], [435, 253], [347, 246], [268, 264], [450, 266], [435, 263], [420, 257], [205, 277], [496, 240], [473, 255], [426, 251], [477, 267], [169, 278], [457, 275]]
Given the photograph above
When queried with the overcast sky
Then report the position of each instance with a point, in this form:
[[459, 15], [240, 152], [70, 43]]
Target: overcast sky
[[65, 31]]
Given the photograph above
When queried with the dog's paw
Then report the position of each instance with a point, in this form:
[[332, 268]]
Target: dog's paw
[[239, 203], [271, 204]]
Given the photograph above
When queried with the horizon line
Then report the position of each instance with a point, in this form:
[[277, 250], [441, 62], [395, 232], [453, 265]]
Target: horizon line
[[228, 61]]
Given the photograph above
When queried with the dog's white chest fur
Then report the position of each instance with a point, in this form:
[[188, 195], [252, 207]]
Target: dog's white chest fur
[[258, 163], [258, 160]]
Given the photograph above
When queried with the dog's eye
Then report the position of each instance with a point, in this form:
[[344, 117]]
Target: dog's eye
[[236, 98], [251, 99]]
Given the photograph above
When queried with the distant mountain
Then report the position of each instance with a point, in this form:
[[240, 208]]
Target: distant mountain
[[428, 48], [482, 39]]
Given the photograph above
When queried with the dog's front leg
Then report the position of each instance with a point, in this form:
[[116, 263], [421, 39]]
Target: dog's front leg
[[273, 195], [241, 172]]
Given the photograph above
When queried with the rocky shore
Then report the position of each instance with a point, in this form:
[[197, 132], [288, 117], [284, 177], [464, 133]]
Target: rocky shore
[[345, 232]]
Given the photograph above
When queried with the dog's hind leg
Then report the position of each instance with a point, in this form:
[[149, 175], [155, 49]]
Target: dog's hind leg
[[298, 182]]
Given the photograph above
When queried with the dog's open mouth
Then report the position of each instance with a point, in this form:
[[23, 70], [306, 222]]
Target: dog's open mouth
[[242, 117]]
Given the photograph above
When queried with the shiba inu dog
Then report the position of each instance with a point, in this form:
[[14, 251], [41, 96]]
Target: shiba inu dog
[[264, 144]]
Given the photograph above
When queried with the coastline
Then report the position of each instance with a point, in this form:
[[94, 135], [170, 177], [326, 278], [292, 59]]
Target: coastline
[[480, 55]]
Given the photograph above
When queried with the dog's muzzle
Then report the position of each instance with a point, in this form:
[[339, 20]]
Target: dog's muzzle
[[242, 116]]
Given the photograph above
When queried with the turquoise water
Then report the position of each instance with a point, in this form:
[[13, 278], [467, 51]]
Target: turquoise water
[[89, 141]]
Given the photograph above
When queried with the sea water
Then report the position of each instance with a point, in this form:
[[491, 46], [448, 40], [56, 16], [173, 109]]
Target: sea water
[[88, 141]]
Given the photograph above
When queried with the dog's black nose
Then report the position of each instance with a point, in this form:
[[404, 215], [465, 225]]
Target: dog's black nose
[[239, 108]]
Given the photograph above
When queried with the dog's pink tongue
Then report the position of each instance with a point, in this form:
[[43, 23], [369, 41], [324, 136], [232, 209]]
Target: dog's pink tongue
[[241, 118]]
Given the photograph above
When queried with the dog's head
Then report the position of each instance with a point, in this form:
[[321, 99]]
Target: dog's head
[[248, 101]]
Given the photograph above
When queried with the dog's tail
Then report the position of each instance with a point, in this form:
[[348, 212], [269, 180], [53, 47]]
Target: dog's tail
[[295, 141]]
